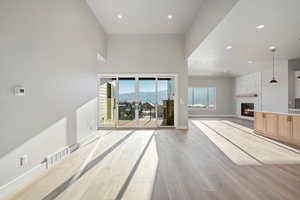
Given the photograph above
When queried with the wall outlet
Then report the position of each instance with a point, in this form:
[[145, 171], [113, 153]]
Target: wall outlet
[[23, 160]]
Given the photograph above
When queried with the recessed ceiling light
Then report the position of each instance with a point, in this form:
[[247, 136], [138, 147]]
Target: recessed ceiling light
[[272, 47], [250, 61], [170, 16], [120, 16], [261, 26], [229, 47]]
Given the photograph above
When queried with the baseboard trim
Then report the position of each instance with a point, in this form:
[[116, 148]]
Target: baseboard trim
[[202, 116], [19, 181], [246, 118], [182, 127], [83, 141], [29, 175]]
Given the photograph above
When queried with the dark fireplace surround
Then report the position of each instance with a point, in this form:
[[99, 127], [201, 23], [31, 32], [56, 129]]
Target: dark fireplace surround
[[247, 109]]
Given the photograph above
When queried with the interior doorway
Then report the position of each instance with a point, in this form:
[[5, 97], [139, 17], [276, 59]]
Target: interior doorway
[[144, 101]]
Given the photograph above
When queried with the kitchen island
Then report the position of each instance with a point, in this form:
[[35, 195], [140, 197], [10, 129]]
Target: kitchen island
[[284, 127]]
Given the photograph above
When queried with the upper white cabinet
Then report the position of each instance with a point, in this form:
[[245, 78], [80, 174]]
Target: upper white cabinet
[[297, 84]]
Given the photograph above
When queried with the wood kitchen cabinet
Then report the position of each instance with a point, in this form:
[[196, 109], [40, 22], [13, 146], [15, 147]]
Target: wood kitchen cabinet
[[271, 123], [266, 123], [285, 127], [259, 122], [279, 126], [296, 130]]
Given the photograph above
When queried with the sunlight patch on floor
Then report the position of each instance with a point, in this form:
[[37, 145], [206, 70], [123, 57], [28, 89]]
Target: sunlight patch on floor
[[113, 161], [261, 149], [235, 154]]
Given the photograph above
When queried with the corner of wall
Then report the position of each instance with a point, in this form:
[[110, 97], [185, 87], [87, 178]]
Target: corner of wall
[[204, 22]]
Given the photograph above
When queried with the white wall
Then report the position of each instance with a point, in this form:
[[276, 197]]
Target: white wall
[[49, 47], [209, 15], [150, 54], [224, 95], [271, 97], [275, 97], [294, 65]]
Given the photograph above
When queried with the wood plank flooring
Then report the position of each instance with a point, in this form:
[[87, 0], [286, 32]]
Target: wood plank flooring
[[258, 148], [106, 179], [228, 147], [191, 167], [131, 123], [162, 164]]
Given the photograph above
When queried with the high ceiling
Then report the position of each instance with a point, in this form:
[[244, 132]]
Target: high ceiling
[[281, 19], [145, 16]]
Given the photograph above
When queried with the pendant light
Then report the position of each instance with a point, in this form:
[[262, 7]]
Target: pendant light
[[273, 81]]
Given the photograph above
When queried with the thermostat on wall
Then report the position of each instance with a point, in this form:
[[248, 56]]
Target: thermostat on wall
[[19, 91]]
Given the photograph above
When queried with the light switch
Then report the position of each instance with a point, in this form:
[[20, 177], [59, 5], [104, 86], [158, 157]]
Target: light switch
[[100, 57], [181, 101]]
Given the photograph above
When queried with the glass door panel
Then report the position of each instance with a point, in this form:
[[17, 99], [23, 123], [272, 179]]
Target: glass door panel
[[127, 102], [147, 102], [165, 101], [107, 102], [136, 101]]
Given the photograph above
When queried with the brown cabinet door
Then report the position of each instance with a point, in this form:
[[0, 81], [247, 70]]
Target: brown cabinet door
[[259, 122], [271, 124], [285, 127], [296, 130]]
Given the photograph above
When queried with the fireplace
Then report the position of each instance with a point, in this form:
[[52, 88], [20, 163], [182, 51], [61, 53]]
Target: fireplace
[[247, 109]]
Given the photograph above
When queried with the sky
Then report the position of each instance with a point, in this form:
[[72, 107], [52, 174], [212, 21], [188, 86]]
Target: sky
[[127, 86]]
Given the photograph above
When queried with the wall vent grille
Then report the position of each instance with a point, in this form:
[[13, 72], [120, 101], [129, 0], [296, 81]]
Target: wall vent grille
[[56, 157]]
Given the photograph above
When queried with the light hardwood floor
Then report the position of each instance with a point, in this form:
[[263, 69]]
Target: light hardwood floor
[[162, 164], [191, 167], [131, 123], [258, 148]]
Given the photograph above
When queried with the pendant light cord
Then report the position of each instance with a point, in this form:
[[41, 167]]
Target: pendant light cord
[[273, 79], [273, 64]]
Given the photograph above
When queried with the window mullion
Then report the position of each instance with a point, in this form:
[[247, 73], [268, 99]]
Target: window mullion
[[207, 98], [193, 101]]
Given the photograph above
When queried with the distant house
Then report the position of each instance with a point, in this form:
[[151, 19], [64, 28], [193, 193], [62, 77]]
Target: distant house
[[148, 106]]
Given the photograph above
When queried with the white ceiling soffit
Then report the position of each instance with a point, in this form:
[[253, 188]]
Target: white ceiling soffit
[[145, 16], [209, 16], [238, 29]]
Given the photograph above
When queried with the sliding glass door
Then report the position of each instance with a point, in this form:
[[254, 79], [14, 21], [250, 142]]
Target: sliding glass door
[[136, 101], [165, 102], [147, 102], [127, 102]]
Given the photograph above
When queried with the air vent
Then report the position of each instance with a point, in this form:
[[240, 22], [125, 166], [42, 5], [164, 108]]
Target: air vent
[[56, 157]]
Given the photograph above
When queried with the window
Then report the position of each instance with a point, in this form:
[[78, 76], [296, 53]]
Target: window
[[202, 98]]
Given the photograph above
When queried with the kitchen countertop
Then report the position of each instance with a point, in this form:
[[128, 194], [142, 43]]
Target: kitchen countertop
[[280, 113]]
